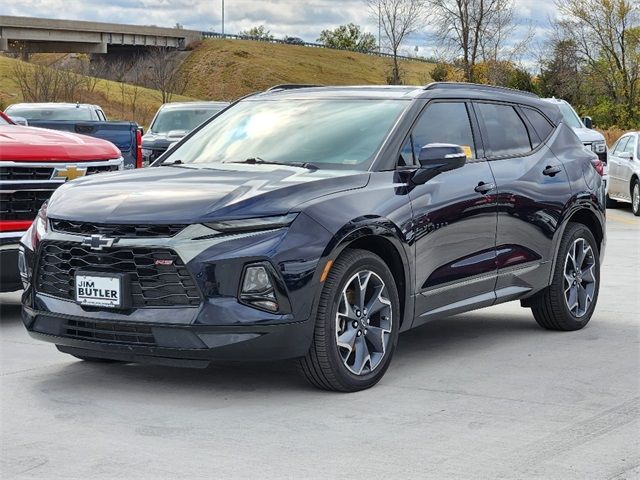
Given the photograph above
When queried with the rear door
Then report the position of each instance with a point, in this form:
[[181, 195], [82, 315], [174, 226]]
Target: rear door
[[615, 167], [454, 217], [532, 191]]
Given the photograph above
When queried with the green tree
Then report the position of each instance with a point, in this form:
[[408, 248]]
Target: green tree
[[348, 37], [260, 32]]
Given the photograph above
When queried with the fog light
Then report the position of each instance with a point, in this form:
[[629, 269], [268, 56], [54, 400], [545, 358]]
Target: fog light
[[257, 289]]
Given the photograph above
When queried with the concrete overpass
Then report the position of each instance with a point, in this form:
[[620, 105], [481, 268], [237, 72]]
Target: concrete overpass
[[30, 35]]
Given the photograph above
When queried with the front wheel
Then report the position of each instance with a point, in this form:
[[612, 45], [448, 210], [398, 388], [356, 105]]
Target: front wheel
[[357, 324], [635, 198], [568, 303]]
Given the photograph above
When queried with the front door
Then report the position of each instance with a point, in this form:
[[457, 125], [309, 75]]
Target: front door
[[454, 218]]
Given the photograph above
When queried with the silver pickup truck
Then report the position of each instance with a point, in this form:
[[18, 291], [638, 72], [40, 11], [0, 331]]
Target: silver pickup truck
[[624, 172]]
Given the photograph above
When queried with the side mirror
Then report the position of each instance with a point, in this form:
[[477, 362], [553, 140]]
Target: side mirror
[[588, 122], [436, 158], [20, 121]]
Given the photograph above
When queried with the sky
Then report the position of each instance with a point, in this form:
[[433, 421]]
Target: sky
[[300, 18]]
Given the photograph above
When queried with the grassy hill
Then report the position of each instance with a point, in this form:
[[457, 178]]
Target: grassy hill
[[119, 101], [228, 69]]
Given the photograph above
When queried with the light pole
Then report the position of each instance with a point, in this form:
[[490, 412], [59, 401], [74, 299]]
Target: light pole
[[222, 17]]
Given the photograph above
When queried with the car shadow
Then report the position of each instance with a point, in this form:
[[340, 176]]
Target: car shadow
[[10, 307], [417, 349]]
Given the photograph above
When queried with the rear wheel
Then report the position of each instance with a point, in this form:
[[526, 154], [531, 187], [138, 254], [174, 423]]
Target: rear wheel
[[357, 325], [635, 198], [568, 303]]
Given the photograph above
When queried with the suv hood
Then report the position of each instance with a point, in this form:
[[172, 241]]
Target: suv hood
[[588, 135], [189, 195], [31, 144]]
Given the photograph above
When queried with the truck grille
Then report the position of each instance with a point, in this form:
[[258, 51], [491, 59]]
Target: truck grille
[[110, 332], [22, 205], [119, 231], [44, 174], [166, 285], [27, 174]]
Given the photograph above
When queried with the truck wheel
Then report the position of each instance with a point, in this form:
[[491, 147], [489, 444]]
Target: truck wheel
[[357, 324], [635, 198], [568, 303]]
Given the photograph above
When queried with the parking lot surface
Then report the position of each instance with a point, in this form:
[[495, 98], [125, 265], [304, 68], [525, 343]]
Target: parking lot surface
[[487, 394]]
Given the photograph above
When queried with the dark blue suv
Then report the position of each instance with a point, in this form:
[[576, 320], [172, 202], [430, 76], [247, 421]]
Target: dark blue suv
[[317, 224]]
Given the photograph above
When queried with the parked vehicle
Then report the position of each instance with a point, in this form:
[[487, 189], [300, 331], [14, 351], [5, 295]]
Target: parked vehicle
[[87, 120], [172, 122], [294, 40], [624, 172], [593, 140], [318, 224], [33, 163]]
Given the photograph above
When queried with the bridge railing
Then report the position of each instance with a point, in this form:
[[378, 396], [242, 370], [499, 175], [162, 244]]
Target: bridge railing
[[226, 36]]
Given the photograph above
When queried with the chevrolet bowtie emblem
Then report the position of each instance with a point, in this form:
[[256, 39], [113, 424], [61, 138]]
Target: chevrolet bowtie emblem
[[69, 172], [97, 242]]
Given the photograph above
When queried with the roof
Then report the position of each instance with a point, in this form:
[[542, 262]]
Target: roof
[[355, 91], [52, 105], [194, 104]]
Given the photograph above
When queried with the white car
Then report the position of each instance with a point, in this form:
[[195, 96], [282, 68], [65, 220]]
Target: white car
[[592, 140], [624, 172]]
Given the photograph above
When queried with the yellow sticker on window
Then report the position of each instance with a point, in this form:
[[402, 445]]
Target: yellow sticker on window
[[467, 151]]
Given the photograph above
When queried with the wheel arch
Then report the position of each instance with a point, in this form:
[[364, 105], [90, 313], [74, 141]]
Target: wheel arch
[[632, 181], [385, 242]]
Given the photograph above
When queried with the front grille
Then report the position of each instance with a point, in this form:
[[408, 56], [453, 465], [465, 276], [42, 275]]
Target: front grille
[[22, 205], [109, 332], [120, 231], [166, 285], [43, 174], [26, 174]]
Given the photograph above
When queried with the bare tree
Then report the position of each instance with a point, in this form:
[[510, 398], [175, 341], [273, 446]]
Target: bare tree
[[607, 36], [397, 19], [473, 29], [162, 72]]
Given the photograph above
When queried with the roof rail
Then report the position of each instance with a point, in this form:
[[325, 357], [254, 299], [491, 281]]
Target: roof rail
[[477, 86], [292, 86]]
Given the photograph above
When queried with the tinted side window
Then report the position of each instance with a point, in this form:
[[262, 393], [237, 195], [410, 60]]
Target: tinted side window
[[444, 122], [540, 124], [506, 132]]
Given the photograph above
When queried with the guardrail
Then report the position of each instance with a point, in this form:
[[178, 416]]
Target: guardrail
[[227, 36]]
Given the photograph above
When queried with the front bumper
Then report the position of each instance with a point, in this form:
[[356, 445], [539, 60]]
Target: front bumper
[[9, 275], [219, 327], [175, 345]]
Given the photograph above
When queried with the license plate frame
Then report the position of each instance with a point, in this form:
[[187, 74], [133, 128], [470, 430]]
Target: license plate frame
[[106, 284]]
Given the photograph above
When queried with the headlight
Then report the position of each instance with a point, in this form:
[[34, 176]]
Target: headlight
[[252, 224], [257, 289], [37, 230], [599, 146]]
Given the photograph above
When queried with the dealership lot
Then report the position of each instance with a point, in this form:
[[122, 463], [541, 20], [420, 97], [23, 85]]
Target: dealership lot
[[482, 395]]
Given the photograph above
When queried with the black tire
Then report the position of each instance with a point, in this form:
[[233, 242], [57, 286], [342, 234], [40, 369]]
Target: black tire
[[550, 307], [611, 203], [324, 365], [635, 198]]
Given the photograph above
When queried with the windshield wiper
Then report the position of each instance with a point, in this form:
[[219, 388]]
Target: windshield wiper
[[261, 161], [168, 163]]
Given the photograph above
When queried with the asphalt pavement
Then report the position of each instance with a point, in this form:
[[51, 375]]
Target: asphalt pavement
[[487, 394]]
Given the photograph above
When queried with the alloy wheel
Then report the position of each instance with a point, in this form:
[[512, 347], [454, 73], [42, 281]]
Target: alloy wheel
[[636, 197], [579, 277], [363, 322]]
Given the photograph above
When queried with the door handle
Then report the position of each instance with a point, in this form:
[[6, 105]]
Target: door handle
[[485, 187], [551, 170]]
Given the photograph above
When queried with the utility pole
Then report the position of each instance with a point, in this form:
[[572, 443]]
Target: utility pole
[[379, 27], [222, 17]]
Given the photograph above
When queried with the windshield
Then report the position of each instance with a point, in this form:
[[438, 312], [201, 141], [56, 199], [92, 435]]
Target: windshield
[[570, 116], [169, 119], [329, 133], [59, 113]]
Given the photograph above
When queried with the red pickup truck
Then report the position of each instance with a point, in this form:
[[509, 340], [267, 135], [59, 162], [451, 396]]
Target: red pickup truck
[[33, 163]]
